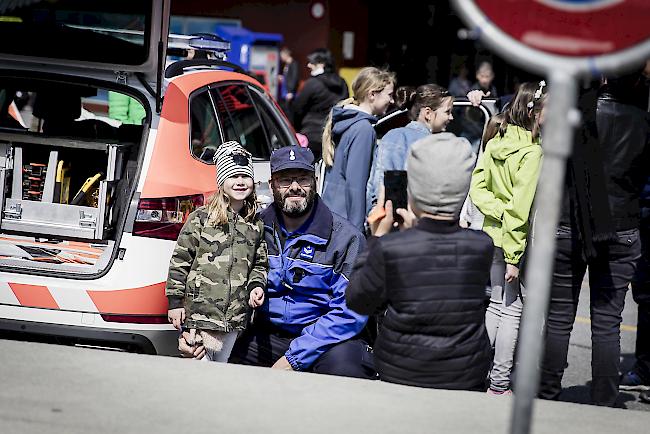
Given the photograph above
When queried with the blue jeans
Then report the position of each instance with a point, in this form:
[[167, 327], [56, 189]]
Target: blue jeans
[[610, 274]]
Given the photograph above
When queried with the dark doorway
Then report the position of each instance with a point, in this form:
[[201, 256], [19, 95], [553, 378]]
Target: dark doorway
[[420, 43]]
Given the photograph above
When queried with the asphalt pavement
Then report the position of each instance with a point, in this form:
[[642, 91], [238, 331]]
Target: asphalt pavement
[[61, 389]]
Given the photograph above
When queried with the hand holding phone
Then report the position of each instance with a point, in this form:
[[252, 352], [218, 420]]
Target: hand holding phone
[[381, 219], [395, 182]]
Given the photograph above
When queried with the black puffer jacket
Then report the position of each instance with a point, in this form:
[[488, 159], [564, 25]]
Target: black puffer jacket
[[431, 279], [313, 104]]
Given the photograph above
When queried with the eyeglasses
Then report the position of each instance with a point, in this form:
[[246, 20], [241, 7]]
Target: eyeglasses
[[303, 181]]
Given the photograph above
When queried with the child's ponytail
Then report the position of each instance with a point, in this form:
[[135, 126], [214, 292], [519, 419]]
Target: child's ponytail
[[427, 95], [328, 143], [404, 97], [492, 128]]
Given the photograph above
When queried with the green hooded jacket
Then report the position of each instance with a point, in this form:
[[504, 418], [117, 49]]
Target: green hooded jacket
[[503, 188], [214, 268], [126, 109]]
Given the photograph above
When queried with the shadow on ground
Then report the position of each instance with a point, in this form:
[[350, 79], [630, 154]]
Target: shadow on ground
[[580, 394]]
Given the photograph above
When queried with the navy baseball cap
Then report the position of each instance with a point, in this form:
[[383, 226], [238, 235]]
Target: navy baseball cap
[[292, 157]]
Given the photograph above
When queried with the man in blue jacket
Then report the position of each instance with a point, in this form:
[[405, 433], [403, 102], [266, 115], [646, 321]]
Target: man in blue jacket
[[304, 323]]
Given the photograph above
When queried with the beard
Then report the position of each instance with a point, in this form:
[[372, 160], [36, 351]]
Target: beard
[[294, 208]]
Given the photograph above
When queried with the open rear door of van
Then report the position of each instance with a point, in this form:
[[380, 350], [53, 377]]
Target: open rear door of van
[[60, 52], [118, 36]]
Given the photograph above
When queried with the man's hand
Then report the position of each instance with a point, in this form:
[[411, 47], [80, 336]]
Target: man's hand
[[512, 272], [176, 317], [187, 347], [475, 97], [256, 298], [283, 364]]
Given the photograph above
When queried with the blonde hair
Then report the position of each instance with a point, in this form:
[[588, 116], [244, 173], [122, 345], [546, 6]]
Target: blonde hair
[[218, 204], [369, 80]]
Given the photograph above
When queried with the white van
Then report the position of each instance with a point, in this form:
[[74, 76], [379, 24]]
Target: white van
[[100, 163]]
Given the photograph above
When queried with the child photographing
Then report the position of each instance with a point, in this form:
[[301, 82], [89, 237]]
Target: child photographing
[[219, 266], [428, 282]]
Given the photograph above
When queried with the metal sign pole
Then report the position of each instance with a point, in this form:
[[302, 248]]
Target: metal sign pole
[[557, 139], [563, 72]]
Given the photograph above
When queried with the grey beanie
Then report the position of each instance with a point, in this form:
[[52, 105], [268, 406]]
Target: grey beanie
[[439, 169], [232, 159]]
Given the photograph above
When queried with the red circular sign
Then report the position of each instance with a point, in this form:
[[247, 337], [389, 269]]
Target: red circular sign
[[574, 28]]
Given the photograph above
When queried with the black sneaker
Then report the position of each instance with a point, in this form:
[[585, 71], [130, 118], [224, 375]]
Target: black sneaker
[[633, 381]]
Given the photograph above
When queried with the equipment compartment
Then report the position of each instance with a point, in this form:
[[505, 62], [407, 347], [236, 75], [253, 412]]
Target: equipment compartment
[[59, 187]]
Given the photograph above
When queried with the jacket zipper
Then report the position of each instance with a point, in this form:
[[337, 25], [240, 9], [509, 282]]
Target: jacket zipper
[[282, 253], [230, 265]]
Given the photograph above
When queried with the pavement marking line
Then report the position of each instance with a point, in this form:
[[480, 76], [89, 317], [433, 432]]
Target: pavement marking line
[[624, 327]]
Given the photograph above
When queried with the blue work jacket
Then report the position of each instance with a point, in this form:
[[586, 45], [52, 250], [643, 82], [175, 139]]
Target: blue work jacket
[[308, 277]]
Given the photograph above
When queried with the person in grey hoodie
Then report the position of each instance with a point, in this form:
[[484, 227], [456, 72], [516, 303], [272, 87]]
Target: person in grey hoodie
[[349, 142]]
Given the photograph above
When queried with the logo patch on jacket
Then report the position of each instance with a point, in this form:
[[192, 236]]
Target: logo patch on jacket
[[307, 252]]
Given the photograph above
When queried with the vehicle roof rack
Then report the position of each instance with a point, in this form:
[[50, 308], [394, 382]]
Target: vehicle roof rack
[[179, 67]]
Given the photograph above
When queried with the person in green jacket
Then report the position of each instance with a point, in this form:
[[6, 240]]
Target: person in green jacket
[[503, 188], [125, 108]]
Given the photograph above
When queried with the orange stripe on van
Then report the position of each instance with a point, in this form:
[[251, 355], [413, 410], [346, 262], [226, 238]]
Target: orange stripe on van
[[15, 113], [148, 300], [33, 296], [73, 245], [84, 246]]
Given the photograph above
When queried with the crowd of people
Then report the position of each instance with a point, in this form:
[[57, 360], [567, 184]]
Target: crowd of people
[[340, 282]]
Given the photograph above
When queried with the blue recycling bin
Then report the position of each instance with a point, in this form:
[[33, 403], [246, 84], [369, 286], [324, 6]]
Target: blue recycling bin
[[258, 53]]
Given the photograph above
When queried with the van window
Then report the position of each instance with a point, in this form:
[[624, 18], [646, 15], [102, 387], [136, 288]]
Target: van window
[[65, 109], [205, 134], [275, 135], [240, 119], [103, 31]]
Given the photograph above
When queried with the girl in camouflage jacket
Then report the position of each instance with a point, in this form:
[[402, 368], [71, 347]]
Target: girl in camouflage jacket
[[219, 267]]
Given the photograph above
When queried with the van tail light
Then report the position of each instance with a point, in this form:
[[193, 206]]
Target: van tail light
[[164, 217], [136, 319]]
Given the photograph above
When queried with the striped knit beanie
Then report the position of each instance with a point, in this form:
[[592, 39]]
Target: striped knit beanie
[[232, 159]]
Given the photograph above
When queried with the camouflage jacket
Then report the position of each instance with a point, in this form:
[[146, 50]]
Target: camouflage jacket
[[214, 268]]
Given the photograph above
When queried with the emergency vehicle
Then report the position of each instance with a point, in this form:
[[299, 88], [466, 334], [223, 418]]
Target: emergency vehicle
[[91, 202]]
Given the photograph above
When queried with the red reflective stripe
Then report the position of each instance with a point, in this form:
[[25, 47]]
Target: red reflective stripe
[[148, 300], [33, 295]]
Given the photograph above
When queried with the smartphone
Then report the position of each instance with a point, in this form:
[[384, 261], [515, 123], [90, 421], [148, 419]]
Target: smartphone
[[395, 182]]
